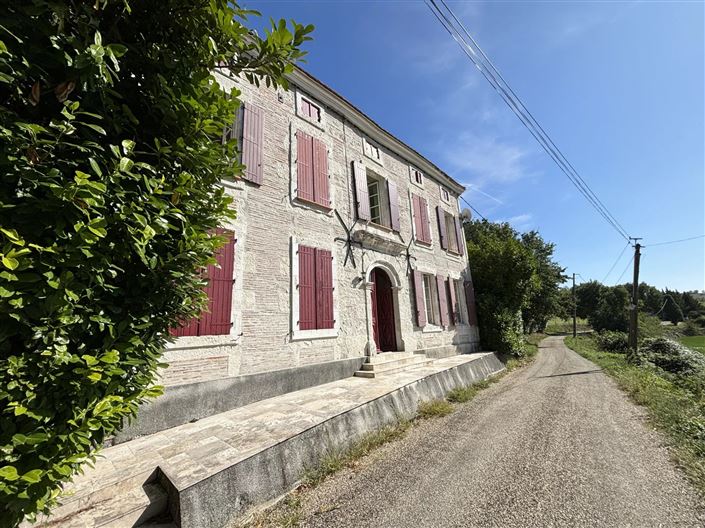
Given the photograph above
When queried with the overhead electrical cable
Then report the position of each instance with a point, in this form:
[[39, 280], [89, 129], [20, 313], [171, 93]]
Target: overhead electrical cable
[[492, 75], [615, 262], [471, 207], [674, 241], [625, 270]]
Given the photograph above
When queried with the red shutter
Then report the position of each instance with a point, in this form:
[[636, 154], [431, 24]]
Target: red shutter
[[362, 196], [252, 142], [460, 235], [324, 289], [216, 320], [320, 173], [442, 299], [441, 216], [307, 290], [304, 166], [393, 204], [419, 296], [190, 328], [452, 301], [470, 301]]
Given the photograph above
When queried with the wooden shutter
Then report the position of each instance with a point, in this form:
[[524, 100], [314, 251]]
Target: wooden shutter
[[216, 320], [425, 227], [362, 195], [252, 142], [441, 216], [418, 226], [393, 195], [189, 328], [419, 297], [453, 302], [307, 289], [470, 301], [320, 173], [324, 289], [304, 166], [442, 299], [460, 235]]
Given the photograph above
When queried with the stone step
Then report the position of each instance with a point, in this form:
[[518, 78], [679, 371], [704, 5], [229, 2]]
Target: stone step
[[374, 370], [127, 508], [383, 357]]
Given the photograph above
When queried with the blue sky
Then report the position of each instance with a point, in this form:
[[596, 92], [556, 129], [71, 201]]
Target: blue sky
[[619, 86]]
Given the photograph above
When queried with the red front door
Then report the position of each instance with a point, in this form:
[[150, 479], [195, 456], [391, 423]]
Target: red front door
[[383, 311]]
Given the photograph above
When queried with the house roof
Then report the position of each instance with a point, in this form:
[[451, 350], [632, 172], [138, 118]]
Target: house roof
[[369, 127]]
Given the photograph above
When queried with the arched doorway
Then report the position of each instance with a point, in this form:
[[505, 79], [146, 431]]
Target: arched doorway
[[383, 320]]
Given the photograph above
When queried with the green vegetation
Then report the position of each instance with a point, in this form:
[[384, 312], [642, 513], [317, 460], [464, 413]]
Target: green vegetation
[[434, 409], [675, 401], [112, 154], [696, 343], [517, 284], [558, 325]]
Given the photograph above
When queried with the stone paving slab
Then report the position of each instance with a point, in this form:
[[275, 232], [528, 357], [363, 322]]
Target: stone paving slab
[[192, 452]]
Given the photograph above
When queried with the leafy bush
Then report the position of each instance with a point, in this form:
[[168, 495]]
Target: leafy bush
[[691, 329], [612, 311], [110, 127], [700, 321], [612, 341], [650, 326], [672, 357]]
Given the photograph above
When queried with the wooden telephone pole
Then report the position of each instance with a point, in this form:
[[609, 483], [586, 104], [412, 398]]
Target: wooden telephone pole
[[575, 310], [634, 314]]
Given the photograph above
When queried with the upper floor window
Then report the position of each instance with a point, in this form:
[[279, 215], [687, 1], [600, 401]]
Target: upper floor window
[[372, 150], [376, 198], [309, 110], [312, 170], [445, 195], [450, 231], [422, 228], [416, 176]]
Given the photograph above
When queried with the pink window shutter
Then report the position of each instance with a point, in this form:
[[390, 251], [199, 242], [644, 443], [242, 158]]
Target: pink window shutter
[[307, 289], [393, 204], [453, 302], [320, 173], [304, 166], [419, 298], [470, 301], [324, 289], [362, 196], [425, 227], [418, 229], [441, 216], [460, 235], [216, 320], [442, 299], [252, 142]]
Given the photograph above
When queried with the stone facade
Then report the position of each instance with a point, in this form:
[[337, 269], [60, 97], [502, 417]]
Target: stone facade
[[271, 222]]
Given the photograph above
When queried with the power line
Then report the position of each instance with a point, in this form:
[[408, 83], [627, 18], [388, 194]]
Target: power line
[[615, 262], [675, 241], [471, 207], [625, 270], [492, 75]]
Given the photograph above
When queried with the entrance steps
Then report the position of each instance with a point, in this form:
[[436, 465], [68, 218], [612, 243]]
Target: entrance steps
[[389, 362]]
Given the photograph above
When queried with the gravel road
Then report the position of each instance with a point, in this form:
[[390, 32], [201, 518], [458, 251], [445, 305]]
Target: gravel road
[[554, 444]]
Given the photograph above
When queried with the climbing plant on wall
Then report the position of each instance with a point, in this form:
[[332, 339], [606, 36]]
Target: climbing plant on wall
[[110, 128]]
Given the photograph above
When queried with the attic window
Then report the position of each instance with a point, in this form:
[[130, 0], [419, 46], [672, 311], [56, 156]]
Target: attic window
[[444, 195], [416, 176], [372, 150]]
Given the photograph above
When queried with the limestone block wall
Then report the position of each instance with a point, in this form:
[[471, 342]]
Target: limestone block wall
[[269, 224]]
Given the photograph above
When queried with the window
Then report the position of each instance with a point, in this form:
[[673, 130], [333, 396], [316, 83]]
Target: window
[[416, 176], [315, 289], [216, 319], [457, 297], [452, 235], [375, 208], [371, 150], [445, 196], [252, 142], [309, 110], [312, 170], [449, 230], [433, 311], [422, 229]]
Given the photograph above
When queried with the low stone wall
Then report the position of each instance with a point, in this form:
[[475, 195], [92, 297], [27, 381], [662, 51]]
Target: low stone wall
[[224, 496], [181, 404]]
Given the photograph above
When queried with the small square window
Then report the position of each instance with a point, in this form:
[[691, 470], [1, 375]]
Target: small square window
[[445, 196], [371, 150], [309, 110], [416, 176]]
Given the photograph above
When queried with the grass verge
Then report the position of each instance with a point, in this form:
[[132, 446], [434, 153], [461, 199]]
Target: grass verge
[[672, 409], [697, 343]]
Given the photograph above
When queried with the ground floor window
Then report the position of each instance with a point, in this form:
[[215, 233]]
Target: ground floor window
[[433, 312], [315, 289], [460, 311]]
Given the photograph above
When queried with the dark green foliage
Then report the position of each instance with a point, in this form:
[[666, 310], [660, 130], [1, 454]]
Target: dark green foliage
[[110, 122], [588, 296], [672, 357], [612, 312], [613, 341], [516, 284]]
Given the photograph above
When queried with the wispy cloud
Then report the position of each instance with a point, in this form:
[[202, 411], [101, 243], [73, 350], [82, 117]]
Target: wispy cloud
[[521, 222], [471, 187]]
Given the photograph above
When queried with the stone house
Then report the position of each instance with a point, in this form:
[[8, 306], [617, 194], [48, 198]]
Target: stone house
[[347, 249]]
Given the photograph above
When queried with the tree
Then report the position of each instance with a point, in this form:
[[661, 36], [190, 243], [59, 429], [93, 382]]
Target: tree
[[503, 272], [588, 296], [612, 312], [544, 299], [111, 123]]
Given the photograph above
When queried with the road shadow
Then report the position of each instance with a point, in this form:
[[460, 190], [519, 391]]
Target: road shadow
[[570, 374]]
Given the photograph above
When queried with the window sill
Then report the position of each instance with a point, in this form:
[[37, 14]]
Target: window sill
[[238, 184], [314, 206], [431, 328], [377, 161], [318, 124], [422, 244], [303, 335]]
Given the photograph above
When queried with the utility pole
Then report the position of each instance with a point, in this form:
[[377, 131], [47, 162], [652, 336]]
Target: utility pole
[[575, 310], [634, 315]]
